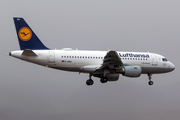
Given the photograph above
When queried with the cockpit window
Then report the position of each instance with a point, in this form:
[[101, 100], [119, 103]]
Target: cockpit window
[[164, 59]]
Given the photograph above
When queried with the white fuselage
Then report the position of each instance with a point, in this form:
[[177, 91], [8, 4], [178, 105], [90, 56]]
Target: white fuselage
[[89, 61]]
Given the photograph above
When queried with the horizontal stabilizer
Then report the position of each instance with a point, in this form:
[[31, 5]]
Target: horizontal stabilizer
[[29, 53]]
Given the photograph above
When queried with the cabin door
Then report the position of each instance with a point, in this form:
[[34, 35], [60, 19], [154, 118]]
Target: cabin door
[[154, 60], [51, 57]]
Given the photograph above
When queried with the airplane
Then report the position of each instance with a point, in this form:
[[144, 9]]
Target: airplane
[[106, 65]]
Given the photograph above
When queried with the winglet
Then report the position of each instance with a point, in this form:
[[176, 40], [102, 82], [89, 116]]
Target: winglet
[[27, 38]]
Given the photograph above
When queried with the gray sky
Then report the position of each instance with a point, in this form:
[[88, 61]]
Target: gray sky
[[28, 91]]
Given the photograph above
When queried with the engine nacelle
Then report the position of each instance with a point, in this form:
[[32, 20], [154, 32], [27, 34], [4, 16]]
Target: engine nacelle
[[132, 71], [112, 77]]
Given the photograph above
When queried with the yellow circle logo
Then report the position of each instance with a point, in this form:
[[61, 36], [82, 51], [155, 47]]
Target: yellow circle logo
[[25, 34]]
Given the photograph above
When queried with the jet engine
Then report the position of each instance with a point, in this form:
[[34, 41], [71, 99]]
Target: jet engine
[[132, 71]]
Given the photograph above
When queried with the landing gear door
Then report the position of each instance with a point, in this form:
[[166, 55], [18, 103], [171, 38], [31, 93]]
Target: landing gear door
[[51, 57], [154, 60]]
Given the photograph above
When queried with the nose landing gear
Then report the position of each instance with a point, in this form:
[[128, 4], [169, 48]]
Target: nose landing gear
[[150, 77]]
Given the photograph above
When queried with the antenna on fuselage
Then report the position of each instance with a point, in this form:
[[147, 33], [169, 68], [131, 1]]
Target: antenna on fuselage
[[108, 49]]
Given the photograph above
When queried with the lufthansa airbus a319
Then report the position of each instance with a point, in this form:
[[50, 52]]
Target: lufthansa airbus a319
[[106, 65]]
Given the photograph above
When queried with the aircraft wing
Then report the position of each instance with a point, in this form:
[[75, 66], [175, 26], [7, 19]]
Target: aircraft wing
[[111, 60]]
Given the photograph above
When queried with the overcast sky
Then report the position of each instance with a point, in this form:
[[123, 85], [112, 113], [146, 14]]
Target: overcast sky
[[29, 91]]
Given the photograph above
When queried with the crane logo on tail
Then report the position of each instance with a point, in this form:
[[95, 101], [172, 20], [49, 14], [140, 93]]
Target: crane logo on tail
[[25, 34]]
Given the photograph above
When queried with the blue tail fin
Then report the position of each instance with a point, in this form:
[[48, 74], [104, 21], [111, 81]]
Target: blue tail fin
[[27, 38]]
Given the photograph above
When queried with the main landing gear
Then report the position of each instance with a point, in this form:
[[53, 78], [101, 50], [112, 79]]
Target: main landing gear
[[90, 81], [103, 80], [150, 77]]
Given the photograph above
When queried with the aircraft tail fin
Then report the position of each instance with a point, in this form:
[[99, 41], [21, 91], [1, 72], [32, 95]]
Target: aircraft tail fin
[[27, 38]]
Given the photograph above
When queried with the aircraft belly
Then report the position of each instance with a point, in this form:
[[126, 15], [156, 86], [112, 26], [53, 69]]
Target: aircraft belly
[[154, 70], [71, 69]]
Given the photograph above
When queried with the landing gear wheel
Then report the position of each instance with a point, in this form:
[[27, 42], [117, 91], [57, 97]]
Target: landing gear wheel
[[104, 80], [150, 82], [150, 77], [89, 82]]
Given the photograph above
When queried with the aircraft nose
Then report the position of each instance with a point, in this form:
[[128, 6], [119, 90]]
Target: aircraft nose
[[172, 66]]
